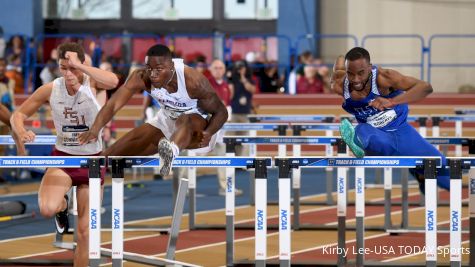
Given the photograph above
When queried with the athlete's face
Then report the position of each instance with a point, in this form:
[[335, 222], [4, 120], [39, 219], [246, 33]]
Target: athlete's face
[[72, 76], [358, 72], [160, 70]]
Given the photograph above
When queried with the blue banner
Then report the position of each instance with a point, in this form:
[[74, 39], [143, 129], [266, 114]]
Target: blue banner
[[416, 117], [309, 140], [50, 161], [465, 111], [39, 140], [456, 117], [251, 126], [447, 140], [290, 117], [376, 162], [318, 126], [235, 162]]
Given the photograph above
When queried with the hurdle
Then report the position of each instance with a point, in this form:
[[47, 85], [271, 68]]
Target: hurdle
[[253, 127], [309, 140], [45, 162], [458, 119], [230, 163], [329, 128], [284, 164], [118, 164], [467, 141]]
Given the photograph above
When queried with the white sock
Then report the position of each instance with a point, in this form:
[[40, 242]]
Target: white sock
[[175, 149]]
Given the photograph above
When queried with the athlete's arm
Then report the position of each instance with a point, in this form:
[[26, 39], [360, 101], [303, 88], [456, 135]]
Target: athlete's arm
[[339, 72], [28, 108], [415, 88], [101, 78], [209, 101], [134, 84]]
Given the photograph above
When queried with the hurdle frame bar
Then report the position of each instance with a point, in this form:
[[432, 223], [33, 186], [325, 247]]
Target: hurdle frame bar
[[323, 162]]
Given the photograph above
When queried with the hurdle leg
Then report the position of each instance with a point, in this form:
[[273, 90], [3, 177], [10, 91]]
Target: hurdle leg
[[378, 173], [284, 212], [176, 219], [388, 185], [404, 199], [230, 204], [329, 171], [341, 213], [261, 213], [94, 212], [458, 133], [329, 179], [117, 166], [296, 178], [192, 193], [431, 212], [73, 199], [360, 212], [471, 208], [252, 153], [455, 212]]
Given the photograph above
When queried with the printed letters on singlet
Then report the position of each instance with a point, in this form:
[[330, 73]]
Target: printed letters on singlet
[[71, 133], [382, 119]]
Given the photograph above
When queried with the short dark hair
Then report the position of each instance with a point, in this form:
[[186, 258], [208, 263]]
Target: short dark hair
[[159, 51], [71, 47], [357, 53]]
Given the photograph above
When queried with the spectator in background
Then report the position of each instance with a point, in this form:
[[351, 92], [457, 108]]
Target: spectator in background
[[50, 71], [109, 132], [269, 79], [217, 70], [13, 72], [6, 86], [312, 82], [201, 66], [304, 59], [15, 46], [6, 96], [224, 92], [243, 88]]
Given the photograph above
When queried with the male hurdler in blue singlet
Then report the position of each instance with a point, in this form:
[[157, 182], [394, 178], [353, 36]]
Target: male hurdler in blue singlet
[[378, 99]]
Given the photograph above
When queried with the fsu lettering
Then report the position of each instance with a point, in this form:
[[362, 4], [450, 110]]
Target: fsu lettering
[[73, 117]]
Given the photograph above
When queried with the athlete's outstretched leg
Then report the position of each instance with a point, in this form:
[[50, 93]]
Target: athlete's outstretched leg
[[411, 143], [136, 142]]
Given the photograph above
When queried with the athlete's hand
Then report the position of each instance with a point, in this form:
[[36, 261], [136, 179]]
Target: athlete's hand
[[73, 59], [86, 137], [382, 103], [26, 137], [20, 146], [205, 139]]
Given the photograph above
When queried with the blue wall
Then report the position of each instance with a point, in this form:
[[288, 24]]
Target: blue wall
[[21, 17], [296, 18]]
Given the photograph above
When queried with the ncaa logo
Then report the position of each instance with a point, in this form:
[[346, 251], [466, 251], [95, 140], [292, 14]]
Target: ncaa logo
[[331, 162]]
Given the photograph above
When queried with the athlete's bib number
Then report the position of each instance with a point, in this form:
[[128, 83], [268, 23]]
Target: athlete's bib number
[[71, 133], [382, 119]]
